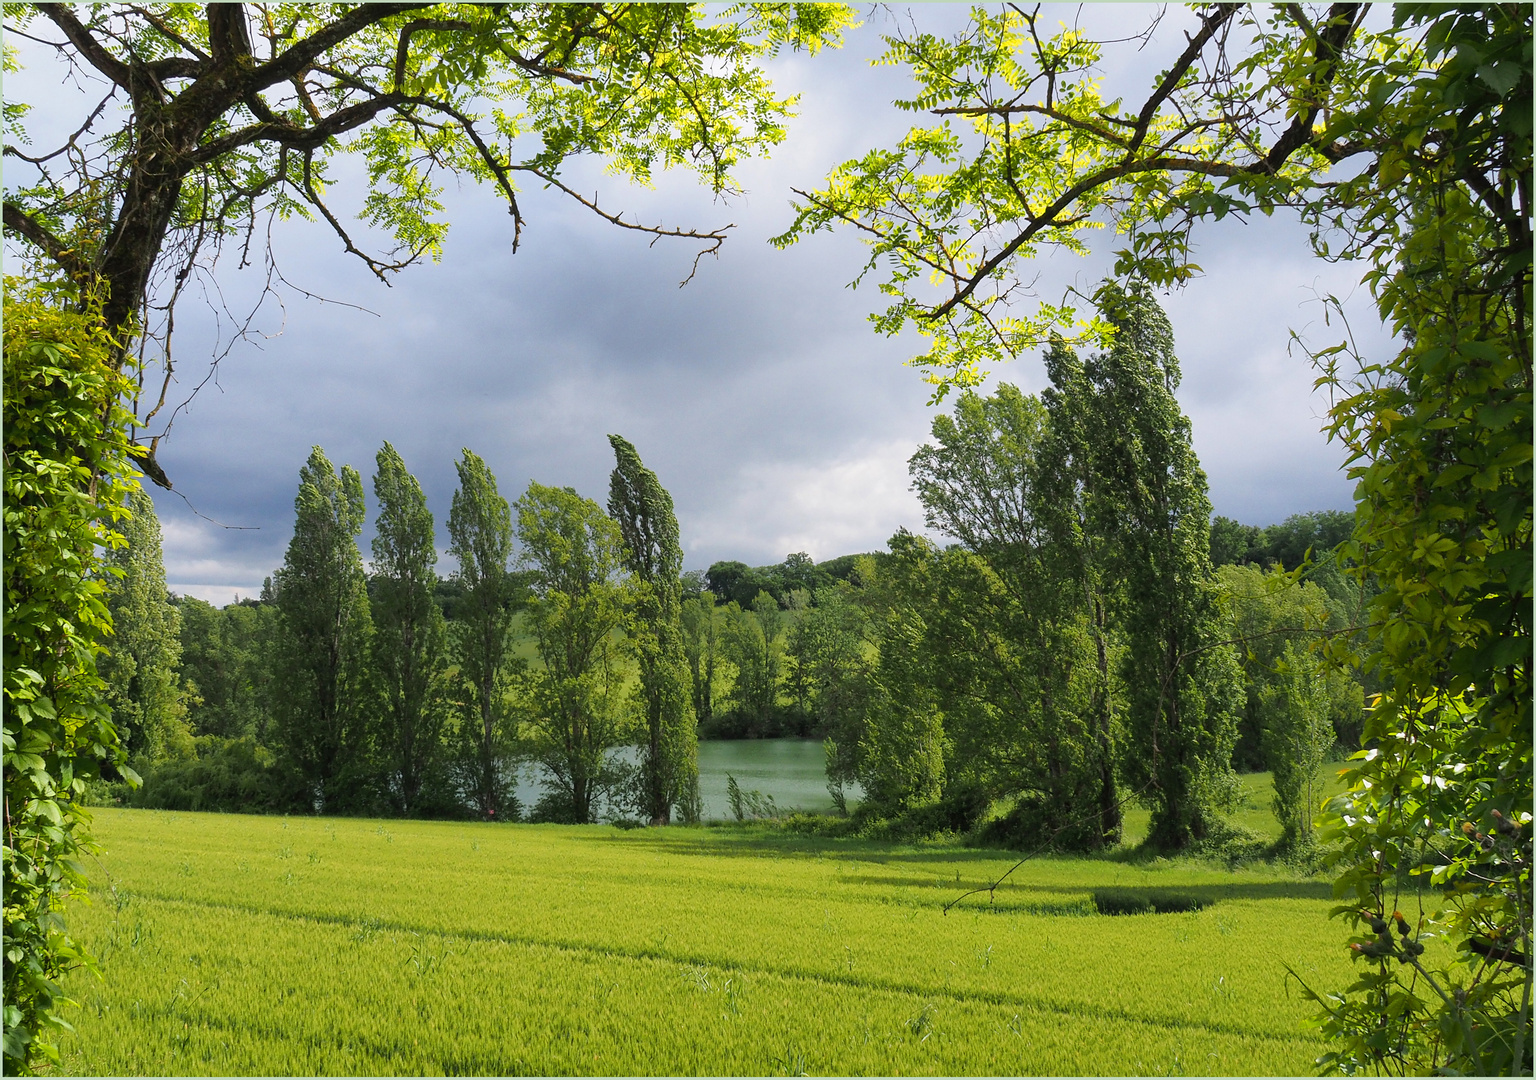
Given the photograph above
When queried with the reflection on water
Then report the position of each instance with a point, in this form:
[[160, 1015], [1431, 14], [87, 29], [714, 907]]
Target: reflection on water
[[793, 772]]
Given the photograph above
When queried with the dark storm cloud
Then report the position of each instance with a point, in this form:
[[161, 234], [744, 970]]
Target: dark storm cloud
[[759, 393]]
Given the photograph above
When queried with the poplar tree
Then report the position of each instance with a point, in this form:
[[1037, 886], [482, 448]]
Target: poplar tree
[[409, 642], [1150, 504], [142, 664], [669, 759], [320, 680], [480, 538]]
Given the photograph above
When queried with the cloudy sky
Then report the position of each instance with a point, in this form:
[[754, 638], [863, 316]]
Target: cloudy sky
[[779, 420]]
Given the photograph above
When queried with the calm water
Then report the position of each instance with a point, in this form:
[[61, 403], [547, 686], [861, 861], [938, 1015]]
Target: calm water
[[793, 772]]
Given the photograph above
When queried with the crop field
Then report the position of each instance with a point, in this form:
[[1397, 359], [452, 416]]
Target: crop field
[[251, 945]]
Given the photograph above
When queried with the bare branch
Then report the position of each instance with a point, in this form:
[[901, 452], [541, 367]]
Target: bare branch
[[94, 52], [716, 237]]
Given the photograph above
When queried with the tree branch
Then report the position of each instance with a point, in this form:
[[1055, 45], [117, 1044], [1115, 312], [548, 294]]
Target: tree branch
[[716, 237], [403, 49], [24, 224], [1330, 44], [1208, 27], [299, 56]]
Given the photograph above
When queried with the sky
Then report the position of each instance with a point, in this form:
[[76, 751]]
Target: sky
[[776, 416]]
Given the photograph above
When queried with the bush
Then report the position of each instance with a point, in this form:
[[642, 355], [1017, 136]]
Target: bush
[[957, 812], [1035, 821], [228, 776]]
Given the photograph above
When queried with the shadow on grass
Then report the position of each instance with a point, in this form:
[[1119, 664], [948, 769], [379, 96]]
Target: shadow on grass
[[1116, 899]]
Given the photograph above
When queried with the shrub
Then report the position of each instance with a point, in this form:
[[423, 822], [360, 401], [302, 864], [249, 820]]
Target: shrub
[[227, 775]]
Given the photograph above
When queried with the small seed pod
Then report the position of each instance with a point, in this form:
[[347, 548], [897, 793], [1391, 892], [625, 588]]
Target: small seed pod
[[1378, 926], [1402, 924]]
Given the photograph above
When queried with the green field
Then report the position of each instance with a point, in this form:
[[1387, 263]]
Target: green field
[[239, 945]]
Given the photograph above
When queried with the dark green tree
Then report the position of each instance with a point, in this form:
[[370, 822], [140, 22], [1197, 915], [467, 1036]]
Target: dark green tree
[[322, 700], [580, 605], [1183, 687], [1233, 543], [409, 637], [480, 538], [142, 665], [669, 757]]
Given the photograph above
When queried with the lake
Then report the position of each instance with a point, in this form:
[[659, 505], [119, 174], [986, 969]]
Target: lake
[[793, 772]]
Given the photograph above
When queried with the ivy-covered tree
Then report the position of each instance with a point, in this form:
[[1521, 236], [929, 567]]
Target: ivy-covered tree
[[669, 758], [142, 665], [409, 647], [322, 700], [480, 538], [67, 476]]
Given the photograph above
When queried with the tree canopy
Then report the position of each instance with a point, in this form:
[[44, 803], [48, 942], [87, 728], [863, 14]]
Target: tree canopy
[[213, 122]]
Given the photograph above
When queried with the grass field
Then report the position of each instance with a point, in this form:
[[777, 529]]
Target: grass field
[[249, 945]]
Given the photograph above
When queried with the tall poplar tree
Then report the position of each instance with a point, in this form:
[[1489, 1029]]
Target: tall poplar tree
[[142, 664], [409, 641], [669, 760], [1183, 688], [321, 688], [480, 538]]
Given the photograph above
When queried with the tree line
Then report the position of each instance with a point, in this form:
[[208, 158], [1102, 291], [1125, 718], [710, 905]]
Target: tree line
[[345, 691], [1087, 636]]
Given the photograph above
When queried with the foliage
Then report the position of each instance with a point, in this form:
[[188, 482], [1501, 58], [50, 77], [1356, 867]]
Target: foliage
[[708, 949], [1296, 738], [749, 805], [831, 660], [1266, 613], [1439, 435], [142, 668], [409, 638], [227, 775], [702, 624], [67, 474], [1010, 620], [575, 704], [323, 693], [1181, 681], [669, 758], [1290, 543], [225, 665], [480, 538]]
